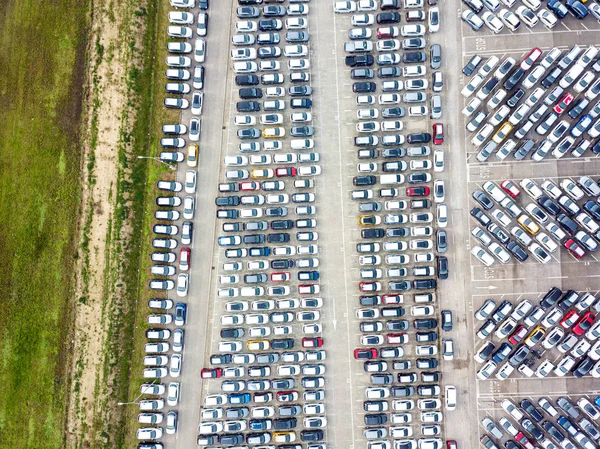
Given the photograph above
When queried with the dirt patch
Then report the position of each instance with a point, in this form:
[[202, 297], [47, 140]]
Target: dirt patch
[[115, 35]]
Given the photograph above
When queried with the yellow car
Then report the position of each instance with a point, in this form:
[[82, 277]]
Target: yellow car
[[502, 133], [261, 173], [528, 224], [535, 336], [257, 345], [369, 220], [284, 437], [273, 133], [192, 157]]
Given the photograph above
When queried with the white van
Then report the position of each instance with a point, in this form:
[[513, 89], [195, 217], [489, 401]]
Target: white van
[[391, 179], [450, 393], [302, 144]]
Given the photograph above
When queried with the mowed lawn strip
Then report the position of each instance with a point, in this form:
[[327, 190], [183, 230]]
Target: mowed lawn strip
[[42, 57]]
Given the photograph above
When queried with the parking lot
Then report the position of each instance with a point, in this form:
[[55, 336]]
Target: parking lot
[[334, 118]]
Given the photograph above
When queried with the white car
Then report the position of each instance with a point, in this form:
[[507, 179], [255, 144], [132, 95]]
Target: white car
[[344, 6], [547, 18], [492, 22], [482, 255]]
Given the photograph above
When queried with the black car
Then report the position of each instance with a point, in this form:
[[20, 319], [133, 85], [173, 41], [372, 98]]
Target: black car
[[528, 406], [397, 325], [569, 225], [282, 224], [424, 284], [551, 78], [284, 423], [515, 98], [360, 61], [364, 180], [248, 106], [470, 67], [578, 107], [553, 431], [282, 343], [551, 298], [232, 332], [231, 439], [418, 138], [371, 300], [388, 17], [397, 232], [549, 206], [476, 7], [532, 429], [416, 178], [514, 78], [362, 73], [414, 57], [517, 251], [269, 25], [403, 391], [592, 208], [480, 216], [375, 419], [279, 264], [227, 200], [312, 435], [568, 299], [395, 112], [246, 80], [483, 199], [301, 103], [250, 92], [442, 266], [281, 237], [362, 87]]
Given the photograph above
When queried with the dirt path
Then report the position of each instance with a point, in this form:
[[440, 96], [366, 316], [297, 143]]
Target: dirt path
[[108, 113]]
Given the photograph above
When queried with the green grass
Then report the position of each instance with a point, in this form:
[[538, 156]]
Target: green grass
[[42, 55]]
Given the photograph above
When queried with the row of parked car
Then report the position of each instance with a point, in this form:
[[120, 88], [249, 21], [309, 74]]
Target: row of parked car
[[270, 356], [498, 15], [164, 350], [553, 219], [402, 402], [546, 424], [565, 321], [541, 109]]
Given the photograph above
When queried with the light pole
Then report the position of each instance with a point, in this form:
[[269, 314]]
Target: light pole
[[159, 160], [135, 401]]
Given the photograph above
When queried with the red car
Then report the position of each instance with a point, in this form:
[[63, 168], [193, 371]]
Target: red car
[[211, 373], [521, 438], [569, 319], [282, 172], [451, 444], [387, 32], [249, 185], [510, 188], [530, 59], [287, 396], [393, 299], [184, 259], [280, 276], [562, 104], [369, 286], [574, 248], [518, 335], [308, 289], [438, 133], [584, 323], [418, 191], [312, 342], [365, 353]]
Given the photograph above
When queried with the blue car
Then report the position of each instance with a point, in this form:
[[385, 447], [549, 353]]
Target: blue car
[[577, 8], [180, 313], [558, 8], [239, 398], [582, 125], [260, 424]]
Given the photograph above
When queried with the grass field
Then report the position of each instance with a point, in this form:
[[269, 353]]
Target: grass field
[[42, 54]]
